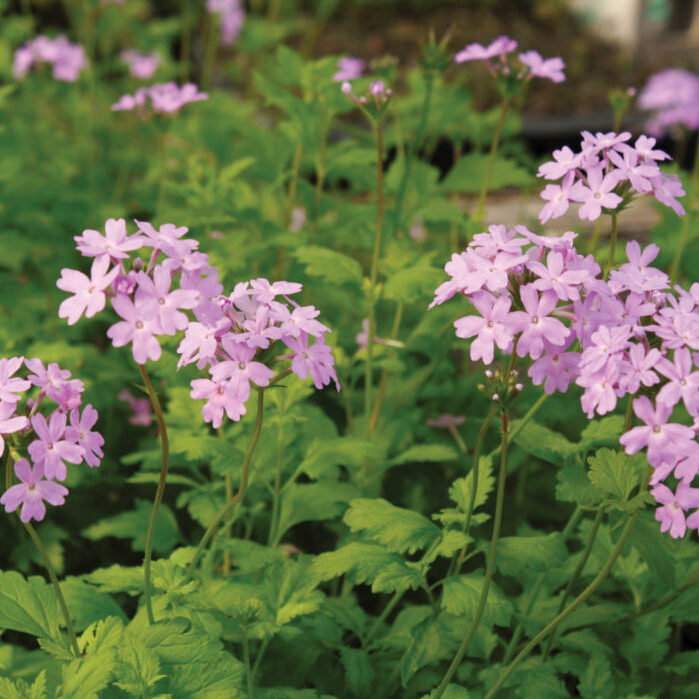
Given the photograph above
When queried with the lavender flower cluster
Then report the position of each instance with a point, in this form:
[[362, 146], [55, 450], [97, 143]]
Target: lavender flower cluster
[[232, 18], [67, 59], [232, 335], [606, 175], [50, 441], [673, 95], [539, 298], [162, 98]]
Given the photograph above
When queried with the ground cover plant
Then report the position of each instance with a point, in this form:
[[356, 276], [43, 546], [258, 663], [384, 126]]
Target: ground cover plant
[[284, 413]]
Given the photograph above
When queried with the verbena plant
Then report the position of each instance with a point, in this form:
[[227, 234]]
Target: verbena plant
[[507, 509]]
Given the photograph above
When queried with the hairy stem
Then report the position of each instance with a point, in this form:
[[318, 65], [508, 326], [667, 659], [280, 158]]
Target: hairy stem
[[223, 512], [162, 428], [490, 568], [371, 332], [687, 222], [576, 575], [480, 208]]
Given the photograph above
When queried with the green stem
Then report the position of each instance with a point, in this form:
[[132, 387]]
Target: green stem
[[413, 149], [228, 484], [664, 600], [612, 246], [371, 332], [687, 222], [490, 568], [536, 590], [186, 41], [480, 208], [521, 424], [576, 575], [274, 522], [223, 512], [384, 375], [47, 564], [211, 51], [162, 428], [589, 590], [474, 488]]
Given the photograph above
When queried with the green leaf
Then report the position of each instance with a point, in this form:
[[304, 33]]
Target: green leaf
[[426, 452], [137, 669], [413, 285], [221, 676], [462, 488], [597, 681], [398, 529], [652, 545], [325, 454], [330, 265], [461, 594], [614, 473], [452, 541], [368, 563], [20, 689], [359, 674], [309, 502], [646, 642], [574, 485], [117, 578], [134, 525], [517, 554], [602, 432], [468, 174], [29, 606], [544, 443], [86, 604]]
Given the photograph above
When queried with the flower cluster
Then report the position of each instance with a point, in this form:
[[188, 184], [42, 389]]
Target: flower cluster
[[141, 65], [495, 56], [232, 18], [141, 294], [540, 298], [606, 175], [62, 435], [225, 333], [673, 95], [163, 98], [378, 95], [234, 339], [66, 58], [349, 68]]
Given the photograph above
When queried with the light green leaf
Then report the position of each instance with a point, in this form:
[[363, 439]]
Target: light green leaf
[[220, 677], [413, 284], [544, 443], [29, 606], [461, 594], [452, 541], [330, 265], [325, 454], [517, 554], [21, 689], [426, 452], [137, 669], [87, 604], [117, 578], [614, 473], [574, 486], [468, 174], [368, 563], [602, 432], [461, 489], [398, 529]]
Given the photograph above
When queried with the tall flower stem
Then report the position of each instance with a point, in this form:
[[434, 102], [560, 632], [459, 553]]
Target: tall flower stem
[[384, 375], [589, 590], [514, 641], [480, 208], [576, 575], [612, 246], [688, 219], [211, 51], [47, 564], [475, 468], [490, 568], [371, 332], [223, 512], [162, 429], [413, 149]]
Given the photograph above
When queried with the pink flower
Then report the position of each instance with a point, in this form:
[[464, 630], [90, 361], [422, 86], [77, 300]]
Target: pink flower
[[535, 323], [446, 421], [476, 52], [673, 506], [556, 368], [156, 301], [9, 423], [683, 384], [551, 68], [138, 327], [349, 68], [116, 242], [80, 433], [31, 492], [141, 65], [67, 59], [51, 449], [316, 360], [89, 296], [564, 160], [596, 194], [219, 397], [240, 370], [164, 98], [141, 408], [9, 385]]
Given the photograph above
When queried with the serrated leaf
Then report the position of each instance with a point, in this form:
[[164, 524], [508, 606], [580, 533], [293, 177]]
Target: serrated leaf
[[613, 473], [426, 452], [601, 432], [85, 677], [461, 594], [517, 554], [21, 689], [29, 606], [221, 676], [134, 525], [137, 669], [574, 486], [597, 681], [544, 443], [329, 265], [368, 563], [462, 488], [426, 646], [452, 541], [398, 529], [117, 578], [325, 454]]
